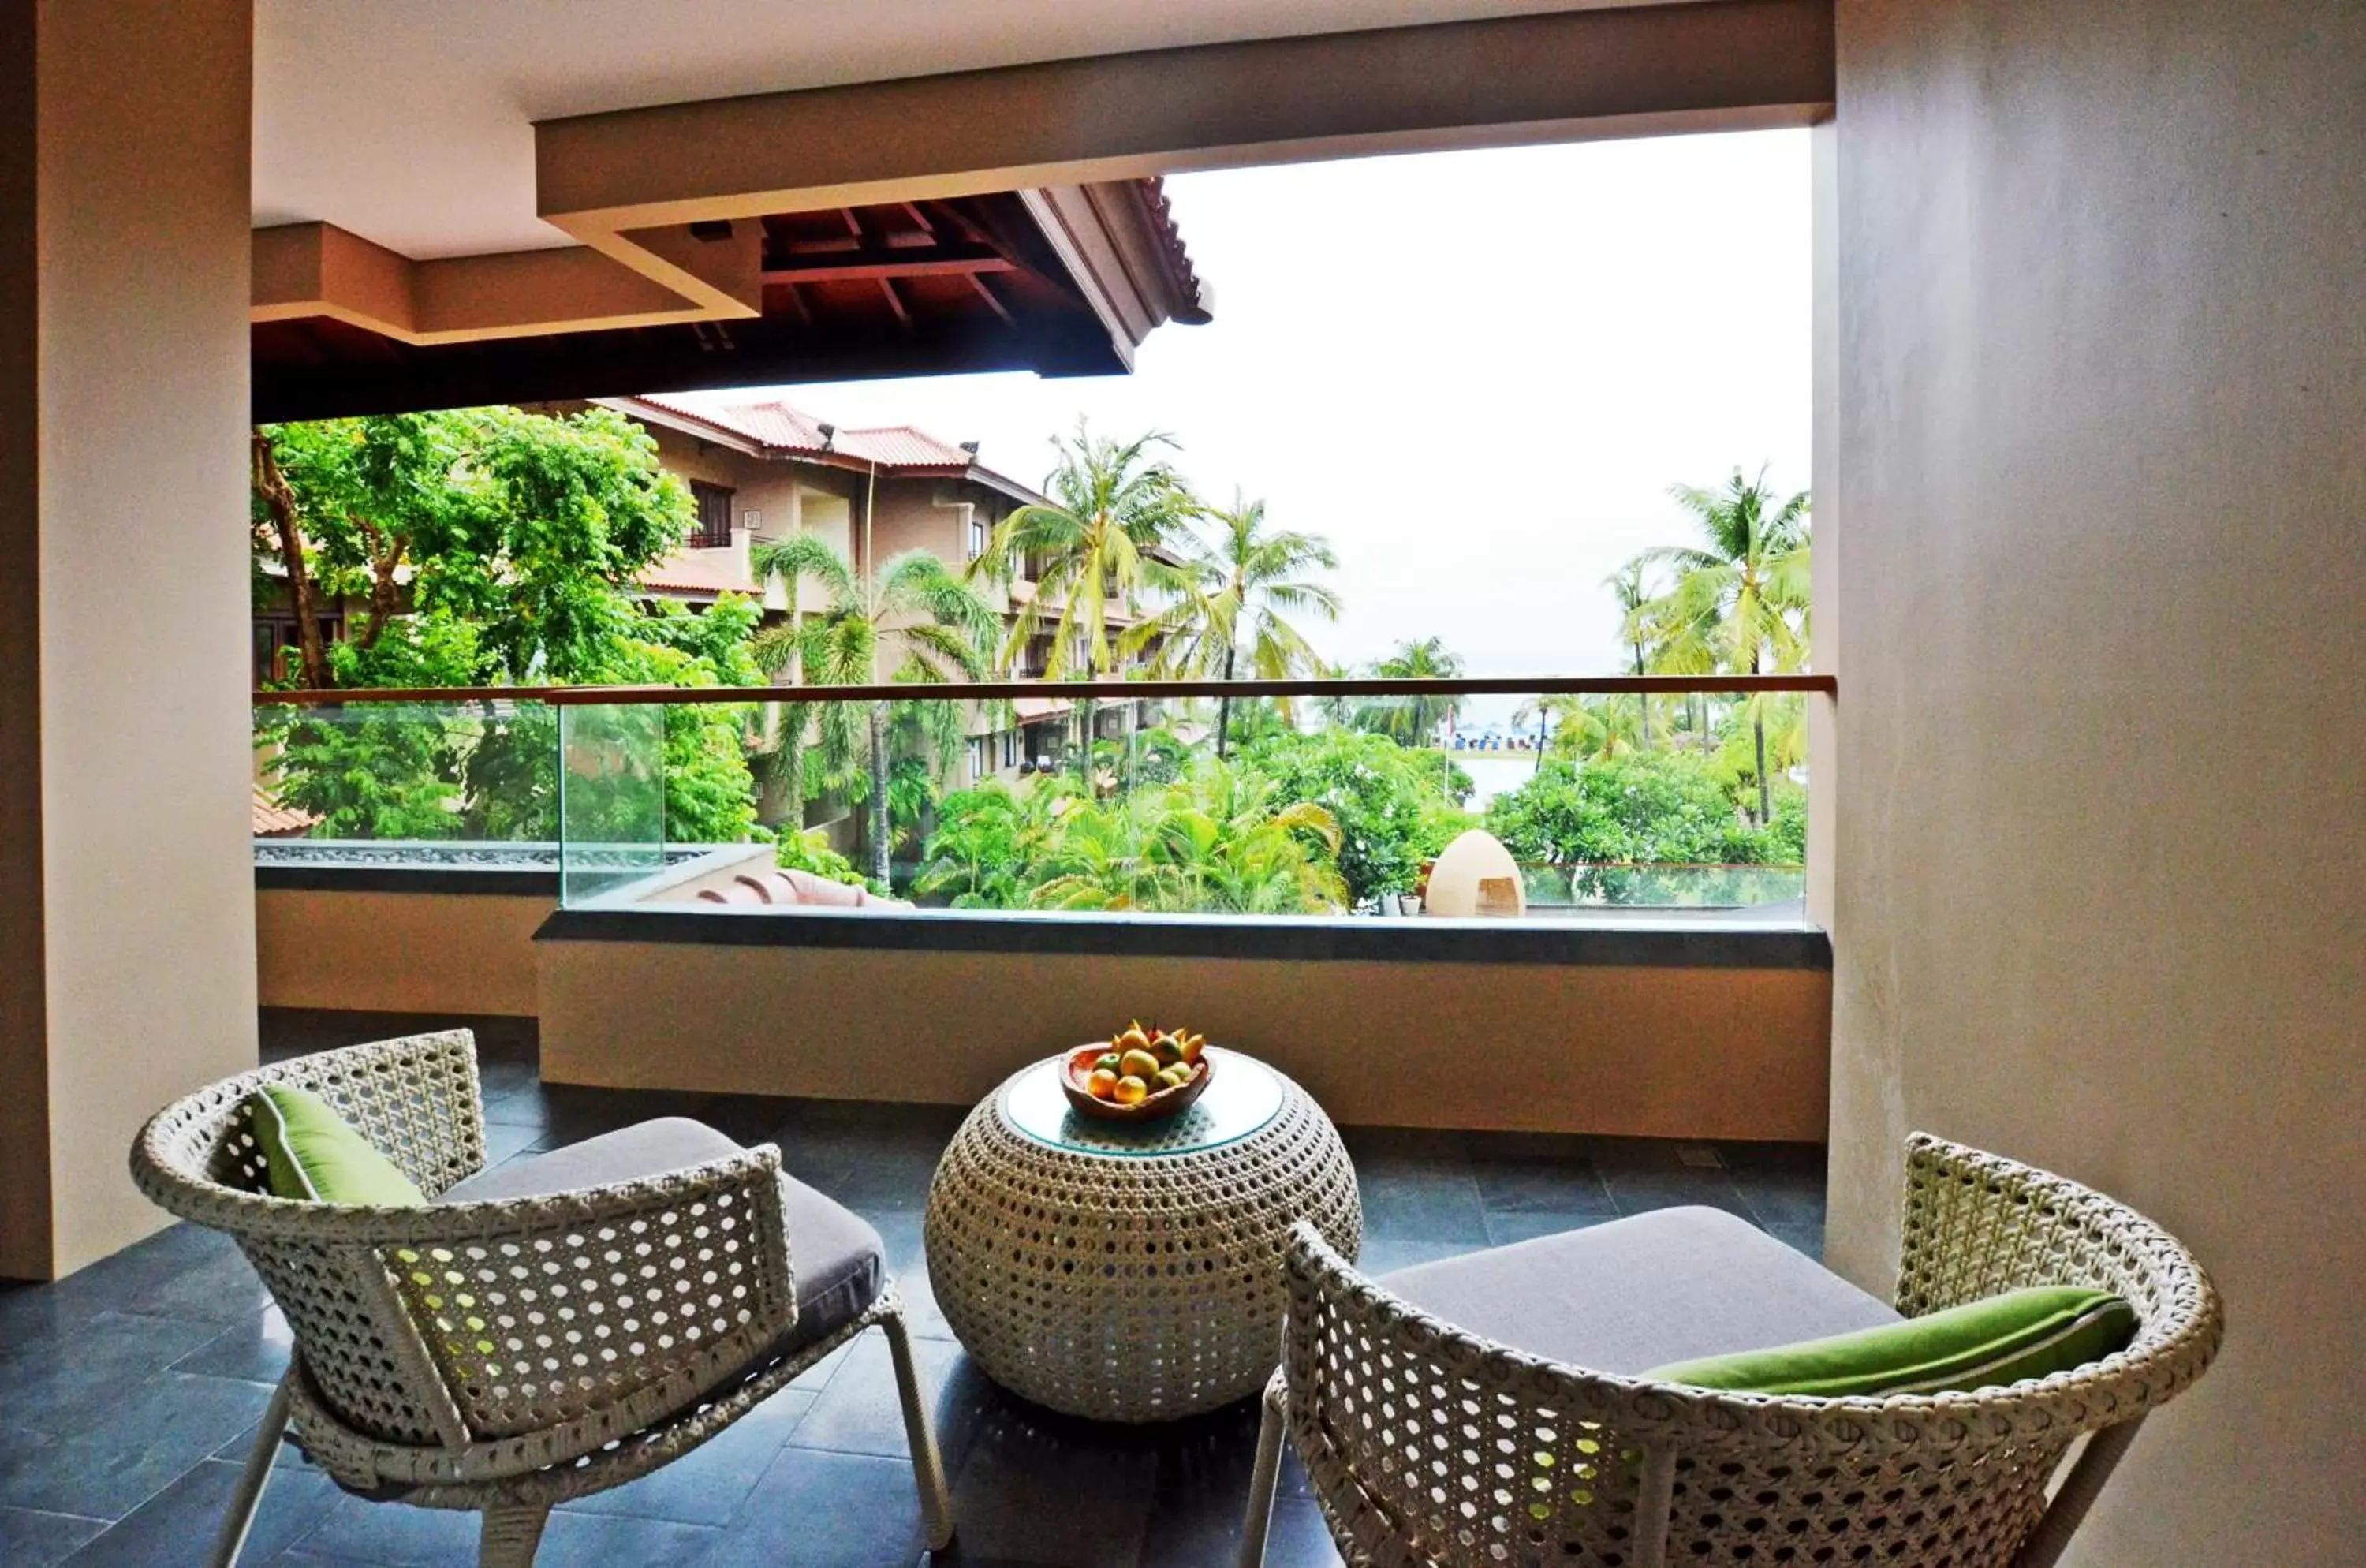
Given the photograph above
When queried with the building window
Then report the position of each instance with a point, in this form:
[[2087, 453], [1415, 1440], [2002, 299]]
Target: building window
[[980, 759], [1010, 748], [714, 530], [976, 536], [278, 651]]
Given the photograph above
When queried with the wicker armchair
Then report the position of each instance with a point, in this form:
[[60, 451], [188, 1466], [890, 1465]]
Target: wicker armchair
[[1429, 1445], [504, 1356]]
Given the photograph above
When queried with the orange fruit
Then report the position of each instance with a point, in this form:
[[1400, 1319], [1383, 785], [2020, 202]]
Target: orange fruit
[[1101, 1084], [1131, 1091], [1138, 1064]]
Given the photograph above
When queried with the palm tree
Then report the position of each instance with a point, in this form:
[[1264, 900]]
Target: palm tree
[[1587, 726], [1627, 586], [1115, 507], [941, 625], [1745, 590], [1220, 841], [1231, 607], [1413, 721]]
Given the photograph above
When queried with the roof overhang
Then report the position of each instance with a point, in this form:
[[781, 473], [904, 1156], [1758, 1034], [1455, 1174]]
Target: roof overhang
[[677, 222], [1062, 281]]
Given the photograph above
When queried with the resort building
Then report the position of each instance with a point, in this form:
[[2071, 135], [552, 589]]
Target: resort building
[[2073, 1005], [767, 471]]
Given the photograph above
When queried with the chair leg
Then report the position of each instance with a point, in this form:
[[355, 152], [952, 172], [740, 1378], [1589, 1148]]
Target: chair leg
[[927, 1466], [2076, 1494], [231, 1540], [510, 1536], [1266, 1476]]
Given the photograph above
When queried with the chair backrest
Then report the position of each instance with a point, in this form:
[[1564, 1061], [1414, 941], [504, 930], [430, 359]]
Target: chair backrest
[[517, 1333], [1429, 1444]]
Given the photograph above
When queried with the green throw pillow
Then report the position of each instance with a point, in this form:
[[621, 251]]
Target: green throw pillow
[[1983, 1344], [314, 1153]]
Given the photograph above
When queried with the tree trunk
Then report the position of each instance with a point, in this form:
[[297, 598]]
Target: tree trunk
[[386, 593], [784, 769], [1224, 710], [1758, 730], [1642, 701], [880, 844], [1085, 713], [303, 596], [792, 773], [1766, 807]]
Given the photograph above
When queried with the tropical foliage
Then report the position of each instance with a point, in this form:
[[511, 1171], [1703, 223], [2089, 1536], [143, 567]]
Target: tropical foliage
[[476, 548], [490, 548], [1232, 601], [1411, 721], [1395, 807], [1223, 839], [1669, 807], [916, 624], [1116, 508], [1737, 602]]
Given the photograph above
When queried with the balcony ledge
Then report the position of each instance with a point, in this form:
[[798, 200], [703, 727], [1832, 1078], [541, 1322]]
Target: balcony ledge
[[1713, 942]]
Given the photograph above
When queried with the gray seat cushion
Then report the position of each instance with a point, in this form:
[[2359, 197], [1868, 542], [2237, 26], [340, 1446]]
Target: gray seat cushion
[[1637, 1293], [834, 1254]]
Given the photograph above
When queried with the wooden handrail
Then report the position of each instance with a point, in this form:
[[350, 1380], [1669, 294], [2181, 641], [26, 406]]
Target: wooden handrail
[[1101, 691]]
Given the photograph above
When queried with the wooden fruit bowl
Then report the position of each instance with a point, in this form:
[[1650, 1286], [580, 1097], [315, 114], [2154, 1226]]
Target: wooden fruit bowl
[[1165, 1103]]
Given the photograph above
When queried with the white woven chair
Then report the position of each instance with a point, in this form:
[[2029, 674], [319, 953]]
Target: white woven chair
[[505, 1355], [1429, 1443]]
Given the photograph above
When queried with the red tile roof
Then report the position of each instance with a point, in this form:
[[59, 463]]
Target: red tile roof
[[785, 432], [700, 573], [272, 820]]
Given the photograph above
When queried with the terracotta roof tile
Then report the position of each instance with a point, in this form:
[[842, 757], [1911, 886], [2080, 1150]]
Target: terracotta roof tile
[[272, 820], [699, 574], [785, 431]]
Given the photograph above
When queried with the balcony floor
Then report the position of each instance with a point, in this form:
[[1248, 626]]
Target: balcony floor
[[128, 1392]]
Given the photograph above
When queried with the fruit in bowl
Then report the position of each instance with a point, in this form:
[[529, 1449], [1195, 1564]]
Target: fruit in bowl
[[1138, 1073]]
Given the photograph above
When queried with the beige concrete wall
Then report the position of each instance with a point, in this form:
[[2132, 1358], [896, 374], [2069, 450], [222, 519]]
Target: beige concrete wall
[[1690, 1053], [2100, 901], [908, 519], [757, 484], [145, 980], [397, 952]]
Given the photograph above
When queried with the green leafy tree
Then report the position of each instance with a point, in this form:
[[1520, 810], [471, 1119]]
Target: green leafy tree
[[1391, 805], [1658, 808], [808, 850], [1743, 589], [1412, 721], [483, 547], [975, 859], [1231, 613], [916, 622]]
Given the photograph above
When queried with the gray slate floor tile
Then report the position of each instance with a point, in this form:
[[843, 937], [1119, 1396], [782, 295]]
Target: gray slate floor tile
[[106, 1469], [177, 1526], [31, 1539], [149, 1370]]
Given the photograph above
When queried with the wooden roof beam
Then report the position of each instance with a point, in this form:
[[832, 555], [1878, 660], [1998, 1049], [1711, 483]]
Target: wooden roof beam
[[1624, 71]]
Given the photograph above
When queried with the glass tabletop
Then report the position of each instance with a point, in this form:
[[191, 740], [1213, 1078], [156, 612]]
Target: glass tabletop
[[1241, 1096]]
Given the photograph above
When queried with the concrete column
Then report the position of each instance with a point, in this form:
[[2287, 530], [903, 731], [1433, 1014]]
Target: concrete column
[[2102, 874], [127, 904]]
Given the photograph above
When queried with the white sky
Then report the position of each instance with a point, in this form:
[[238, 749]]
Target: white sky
[[1478, 373]]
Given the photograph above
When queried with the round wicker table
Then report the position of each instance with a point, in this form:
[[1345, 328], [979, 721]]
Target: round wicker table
[[1132, 1273]]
